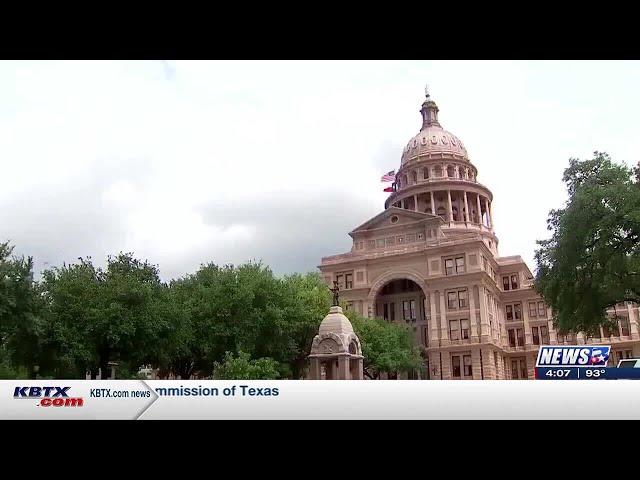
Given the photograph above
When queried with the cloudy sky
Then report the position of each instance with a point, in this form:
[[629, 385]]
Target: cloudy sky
[[188, 162]]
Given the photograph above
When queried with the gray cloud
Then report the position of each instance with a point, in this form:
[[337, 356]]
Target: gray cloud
[[293, 232]]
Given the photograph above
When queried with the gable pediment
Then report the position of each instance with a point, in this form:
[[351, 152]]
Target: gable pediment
[[400, 217]]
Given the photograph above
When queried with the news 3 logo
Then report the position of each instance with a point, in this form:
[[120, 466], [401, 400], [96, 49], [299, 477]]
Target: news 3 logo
[[573, 356], [49, 396]]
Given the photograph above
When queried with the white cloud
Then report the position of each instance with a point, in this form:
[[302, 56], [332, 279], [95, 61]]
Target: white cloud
[[186, 162]]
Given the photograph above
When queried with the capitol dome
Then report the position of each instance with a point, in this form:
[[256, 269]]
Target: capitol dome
[[433, 141]]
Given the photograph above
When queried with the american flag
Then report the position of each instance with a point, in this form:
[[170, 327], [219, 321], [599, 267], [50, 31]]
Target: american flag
[[389, 177]]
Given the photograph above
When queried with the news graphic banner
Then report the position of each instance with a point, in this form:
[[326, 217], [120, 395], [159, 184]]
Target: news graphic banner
[[317, 399], [580, 362]]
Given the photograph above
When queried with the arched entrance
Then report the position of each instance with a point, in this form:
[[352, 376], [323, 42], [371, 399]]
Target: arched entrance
[[401, 299]]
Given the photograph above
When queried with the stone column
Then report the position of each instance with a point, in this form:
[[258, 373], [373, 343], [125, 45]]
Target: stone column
[[484, 316], [444, 171], [500, 367], [466, 207], [476, 364], [444, 325], [486, 209], [360, 373], [491, 214], [314, 371], [415, 203], [553, 335], [525, 322], [531, 366], [433, 204], [446, 365], [478, 206], [633, 321], [473, 326], [488, 365], [434, 336], [344, 372], [449, 210]]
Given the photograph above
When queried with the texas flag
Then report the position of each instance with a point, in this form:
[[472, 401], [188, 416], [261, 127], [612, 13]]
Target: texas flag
[[598, 357], [388, 189]]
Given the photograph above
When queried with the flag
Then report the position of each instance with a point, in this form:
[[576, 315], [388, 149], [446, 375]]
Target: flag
[[389, 177], [388, 189]]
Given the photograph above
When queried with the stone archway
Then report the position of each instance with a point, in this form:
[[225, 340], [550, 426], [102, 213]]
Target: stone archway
[[385, 278], [400, 296]]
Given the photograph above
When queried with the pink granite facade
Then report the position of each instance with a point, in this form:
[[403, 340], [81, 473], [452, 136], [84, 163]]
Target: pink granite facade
[[430, 260]]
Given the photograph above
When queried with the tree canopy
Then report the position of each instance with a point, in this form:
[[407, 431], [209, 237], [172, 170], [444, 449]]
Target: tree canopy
[[224, 322], [386, 347], [592, 260]]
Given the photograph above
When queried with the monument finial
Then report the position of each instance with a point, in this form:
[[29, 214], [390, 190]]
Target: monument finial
[[426, 90]]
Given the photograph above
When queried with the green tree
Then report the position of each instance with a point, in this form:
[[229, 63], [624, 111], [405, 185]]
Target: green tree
[[21, 344], [592, 260], [386, 347], [96, 316], [242, 367]]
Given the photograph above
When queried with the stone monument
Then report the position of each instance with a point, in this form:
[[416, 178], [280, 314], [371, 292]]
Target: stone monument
[[336, 353]]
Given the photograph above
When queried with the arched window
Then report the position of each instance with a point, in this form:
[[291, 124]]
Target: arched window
[[414, 176], [454, 210], [425, 172], [437, 171], [441, 212], [404, 180], [450, 171]]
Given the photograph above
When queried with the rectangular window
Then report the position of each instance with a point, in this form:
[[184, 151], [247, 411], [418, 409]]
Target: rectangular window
[[514, 369], [348, 280], [517, 313], [464, 329], [505, 283], [448, 266], [385, 311], [425, 336], [340, 280], [460, 265], [625, 326], [452, 300], [392, 311], [512, 337], [509, 310], [406, 310], [455, 366], [466, 361], [544, 335], [454, 329], [371, 244], [561, 338], [523, 369], [535, 335], [542, 310], [413, 310], [380, 242], [514, 282], [520, 335], [533, 310], [462, 298]]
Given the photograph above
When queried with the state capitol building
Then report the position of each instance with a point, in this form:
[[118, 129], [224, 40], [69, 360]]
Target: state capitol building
[[430, 260]]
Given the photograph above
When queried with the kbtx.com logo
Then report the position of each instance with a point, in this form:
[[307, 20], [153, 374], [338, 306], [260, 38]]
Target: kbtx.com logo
[[49, 396], [573, 356]]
